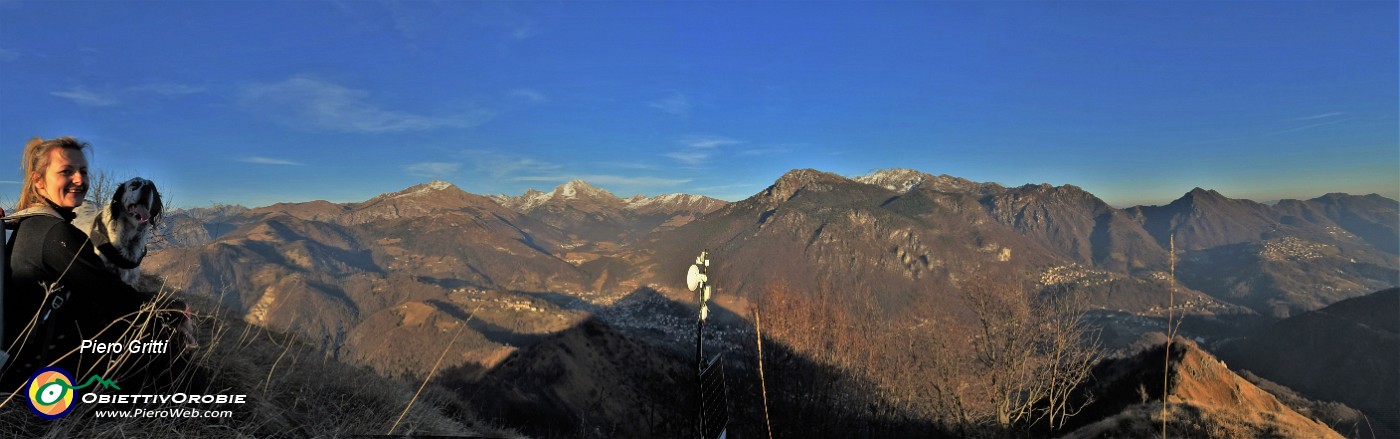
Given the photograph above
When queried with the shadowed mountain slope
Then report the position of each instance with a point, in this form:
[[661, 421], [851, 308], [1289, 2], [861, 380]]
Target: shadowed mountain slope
[[1348, 352]]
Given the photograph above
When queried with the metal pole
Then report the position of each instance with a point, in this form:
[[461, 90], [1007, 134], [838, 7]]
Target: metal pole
[[697, 279], [700, 345]]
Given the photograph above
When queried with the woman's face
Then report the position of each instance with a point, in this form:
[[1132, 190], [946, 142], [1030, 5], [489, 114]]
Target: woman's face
[[65, 180]]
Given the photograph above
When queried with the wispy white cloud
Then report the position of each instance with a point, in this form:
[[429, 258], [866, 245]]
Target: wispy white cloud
[[699, 148], [113, 96], [528, 96], [168, 89], [692, 158], [1309, 126], [676, 104], [708, 142], [629, 165], [608, 180], [1318, 116], [9, 182], [268, 161], [501, 166], [308, 102], [433, 169], [82, 96], [767, 150]]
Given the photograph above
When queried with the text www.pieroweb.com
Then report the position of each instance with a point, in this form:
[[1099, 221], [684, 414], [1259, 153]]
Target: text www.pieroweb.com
[[164, 413]]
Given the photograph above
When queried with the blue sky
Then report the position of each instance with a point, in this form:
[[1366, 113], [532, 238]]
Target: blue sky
[[1138, 102]]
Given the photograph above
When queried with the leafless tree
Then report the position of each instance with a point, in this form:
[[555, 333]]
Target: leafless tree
[[1072, 349], [1032, 349], [1011, 359], [100, 187], [949, 384]]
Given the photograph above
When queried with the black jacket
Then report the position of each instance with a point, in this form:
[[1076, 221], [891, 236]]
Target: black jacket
[[47, 250]]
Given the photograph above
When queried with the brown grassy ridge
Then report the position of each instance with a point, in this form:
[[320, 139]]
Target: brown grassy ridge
[[1204, 399]]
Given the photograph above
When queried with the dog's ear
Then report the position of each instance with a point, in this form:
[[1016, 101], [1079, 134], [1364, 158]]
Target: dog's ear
[[156, 206], [117, 194]]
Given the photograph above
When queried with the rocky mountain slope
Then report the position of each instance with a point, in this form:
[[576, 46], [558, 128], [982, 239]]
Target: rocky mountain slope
[[902, 223], [345, 275], [813, 230]]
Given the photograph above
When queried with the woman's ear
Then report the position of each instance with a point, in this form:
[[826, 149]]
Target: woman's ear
[[38, 180]]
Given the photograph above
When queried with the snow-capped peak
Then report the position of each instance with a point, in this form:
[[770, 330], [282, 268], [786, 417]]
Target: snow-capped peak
[[905, 180], [896, 179], [533, 198], [673, 202], [580, 193], [435, 185], [580, 189], [570, 189], [640, 201]]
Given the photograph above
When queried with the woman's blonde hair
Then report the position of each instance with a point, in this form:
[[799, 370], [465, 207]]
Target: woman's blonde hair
[[36, 161]]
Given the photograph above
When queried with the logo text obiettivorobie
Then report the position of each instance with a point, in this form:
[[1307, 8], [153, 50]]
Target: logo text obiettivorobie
[[52, 394]]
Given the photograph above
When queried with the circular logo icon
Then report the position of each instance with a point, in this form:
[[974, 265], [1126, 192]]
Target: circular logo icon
[[51, 393]]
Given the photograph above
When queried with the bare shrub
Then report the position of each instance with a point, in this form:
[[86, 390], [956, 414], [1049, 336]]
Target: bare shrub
[[1031, 349]]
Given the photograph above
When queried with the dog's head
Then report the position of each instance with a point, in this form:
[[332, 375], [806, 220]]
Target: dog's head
[[137, 200]]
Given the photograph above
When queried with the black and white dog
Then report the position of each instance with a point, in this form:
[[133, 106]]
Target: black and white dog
[[121, 229]]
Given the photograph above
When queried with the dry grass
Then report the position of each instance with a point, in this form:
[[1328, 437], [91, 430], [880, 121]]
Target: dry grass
[[293, 390], [1187, 420]]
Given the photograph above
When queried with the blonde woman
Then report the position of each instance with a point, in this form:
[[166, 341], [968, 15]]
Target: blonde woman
[[58, 292]]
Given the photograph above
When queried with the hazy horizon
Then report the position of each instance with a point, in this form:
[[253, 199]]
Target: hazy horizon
[[547, 189], [254, 103]]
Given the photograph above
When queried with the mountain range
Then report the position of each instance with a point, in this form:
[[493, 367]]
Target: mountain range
[[908, 233], [595, 215], [514, 278]]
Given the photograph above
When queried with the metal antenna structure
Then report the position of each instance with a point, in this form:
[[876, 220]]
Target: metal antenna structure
[[712, 418]]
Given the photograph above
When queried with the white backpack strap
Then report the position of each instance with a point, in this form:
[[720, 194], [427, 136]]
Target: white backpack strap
[[12, 220]]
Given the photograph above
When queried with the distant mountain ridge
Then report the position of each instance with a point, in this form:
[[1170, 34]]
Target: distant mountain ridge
[[811, 227], [596, 215], [1278, 260], [581, 193], [899, 247], [417, 201], [904, 180], [895, 239]]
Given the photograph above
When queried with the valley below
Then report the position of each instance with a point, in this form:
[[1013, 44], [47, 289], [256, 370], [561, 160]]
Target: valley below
[[888, 305]]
